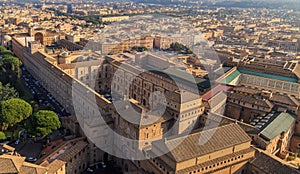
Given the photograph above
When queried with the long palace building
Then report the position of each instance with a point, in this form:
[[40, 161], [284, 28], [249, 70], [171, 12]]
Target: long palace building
[[227, 151]]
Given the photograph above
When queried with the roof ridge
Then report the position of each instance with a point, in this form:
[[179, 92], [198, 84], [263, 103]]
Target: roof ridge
[[14, 164], [176, 137], [294, 100]]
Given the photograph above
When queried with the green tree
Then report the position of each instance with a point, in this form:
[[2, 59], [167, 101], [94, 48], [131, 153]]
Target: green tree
[[2, 135], [45, 122], [2, 48], [7, 92], [139, 49], [11, 62], [180, 47], [5, 52], [10, 65], [13, 111]]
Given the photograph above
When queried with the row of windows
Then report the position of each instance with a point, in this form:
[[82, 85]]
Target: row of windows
[[243, 103], [192, 113], [160, 166], [269, 83], [146, 134], [79, 154], [217, 164]]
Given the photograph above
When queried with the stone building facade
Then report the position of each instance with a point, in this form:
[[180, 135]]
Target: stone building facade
[[44, 36], [184, 111]]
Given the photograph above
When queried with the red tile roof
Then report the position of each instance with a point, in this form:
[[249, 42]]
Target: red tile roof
[[208, 95]]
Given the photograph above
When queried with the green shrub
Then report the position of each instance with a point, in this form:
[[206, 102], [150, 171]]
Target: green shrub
[[291, 158], [2, 135]]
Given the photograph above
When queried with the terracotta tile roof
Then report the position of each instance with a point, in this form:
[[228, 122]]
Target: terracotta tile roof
[[55, 166], [208, 95], [10, 163], [217, 99], [187, 96], [218, 120], [250, 99], [284, 99], [204, 142], [246, 90], [217, 160], [74, 150], [268, 164], [279, 98], [269, 68], [28, 168], [17, 164], [7, 166]]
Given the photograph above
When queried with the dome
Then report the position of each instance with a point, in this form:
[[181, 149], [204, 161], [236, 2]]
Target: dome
[[7, 38]]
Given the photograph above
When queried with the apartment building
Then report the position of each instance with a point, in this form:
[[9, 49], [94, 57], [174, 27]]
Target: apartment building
[[114, 18]]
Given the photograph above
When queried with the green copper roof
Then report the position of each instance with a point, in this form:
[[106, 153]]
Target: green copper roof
[[282, 123], [270, 76], [228, 79]]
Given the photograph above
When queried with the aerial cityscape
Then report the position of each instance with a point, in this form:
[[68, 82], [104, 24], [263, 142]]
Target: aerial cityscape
[[150, 87]]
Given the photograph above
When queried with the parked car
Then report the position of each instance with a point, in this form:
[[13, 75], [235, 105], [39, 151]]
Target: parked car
[[90, 170], [103, 165], [4, 151], [31, 159], [17, 142], [107, 95]]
